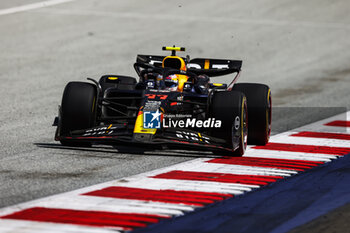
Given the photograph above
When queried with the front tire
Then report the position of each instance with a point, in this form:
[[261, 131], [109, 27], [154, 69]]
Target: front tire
[[231, 108], [259, 110], [78, 110]]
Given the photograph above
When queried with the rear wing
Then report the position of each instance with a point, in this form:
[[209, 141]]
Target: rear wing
[[210, 67], [214, 67]]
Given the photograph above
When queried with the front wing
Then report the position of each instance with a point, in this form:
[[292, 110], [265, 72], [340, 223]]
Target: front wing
[[115, 134]]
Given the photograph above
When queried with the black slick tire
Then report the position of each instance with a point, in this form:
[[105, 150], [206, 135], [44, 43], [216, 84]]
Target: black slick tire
[[78, 110], [259, 111], [231, 108]]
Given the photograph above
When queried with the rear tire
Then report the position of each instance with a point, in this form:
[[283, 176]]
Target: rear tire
[[259, 110], [78, 110], [231, 108]]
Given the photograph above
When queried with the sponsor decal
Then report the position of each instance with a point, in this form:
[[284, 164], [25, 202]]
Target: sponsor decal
[[159, 90], [156, 96], [151, 120], [100, 130], [237, 122], [191, 123], [196, 137], [207, 66], [152, 106], [150, 84], [152, 62]]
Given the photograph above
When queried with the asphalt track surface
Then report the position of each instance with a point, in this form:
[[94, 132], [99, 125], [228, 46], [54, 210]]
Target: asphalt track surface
[[298, 48]]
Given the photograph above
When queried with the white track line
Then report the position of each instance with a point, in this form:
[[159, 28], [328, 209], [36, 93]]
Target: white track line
[[275, 154], [117, 205], [328, 129], [320, 126], [32, 6], [310, 141], [82, 202], [19, 226], [235, 169], [188, 185]]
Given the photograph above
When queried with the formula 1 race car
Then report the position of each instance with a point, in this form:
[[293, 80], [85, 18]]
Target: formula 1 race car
[[173, 105]]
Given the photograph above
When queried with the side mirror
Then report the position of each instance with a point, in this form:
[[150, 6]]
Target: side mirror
[[187, 86], [150, 84]]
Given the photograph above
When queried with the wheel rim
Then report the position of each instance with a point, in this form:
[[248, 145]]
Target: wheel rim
[[268, 114], [244, 128], [245, 125]]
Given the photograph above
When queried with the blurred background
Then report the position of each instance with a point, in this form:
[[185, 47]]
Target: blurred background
[[301, 49]]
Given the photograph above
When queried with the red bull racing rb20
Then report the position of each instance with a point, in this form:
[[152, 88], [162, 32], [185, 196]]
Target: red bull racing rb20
[[173, 104]]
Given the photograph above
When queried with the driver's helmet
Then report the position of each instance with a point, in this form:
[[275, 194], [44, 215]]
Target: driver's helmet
[[175, 82], [171, 82]]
